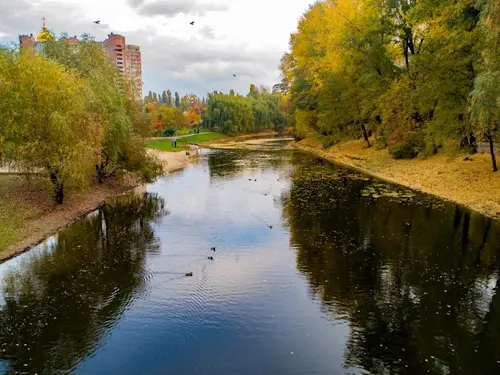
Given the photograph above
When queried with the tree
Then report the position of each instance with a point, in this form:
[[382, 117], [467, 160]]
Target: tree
[[401, 71], [45, 123], [253, 90], [177, 100], [192, 117], [486, 95], [114, 105], [164, 98], [169, 100]]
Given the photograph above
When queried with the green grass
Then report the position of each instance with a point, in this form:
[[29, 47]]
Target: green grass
[[13, 211], [182, 143], [186, 131]]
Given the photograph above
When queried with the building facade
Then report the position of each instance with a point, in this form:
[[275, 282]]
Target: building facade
[[126, 58]]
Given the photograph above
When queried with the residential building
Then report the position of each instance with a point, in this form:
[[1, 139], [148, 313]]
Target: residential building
[[126, 58]]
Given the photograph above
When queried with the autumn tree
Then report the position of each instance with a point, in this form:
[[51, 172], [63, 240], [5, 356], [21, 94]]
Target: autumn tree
[[399, 73], [486, 94], [45, 123], [113, 105]]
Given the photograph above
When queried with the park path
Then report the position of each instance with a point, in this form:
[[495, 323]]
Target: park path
[[179, 136]]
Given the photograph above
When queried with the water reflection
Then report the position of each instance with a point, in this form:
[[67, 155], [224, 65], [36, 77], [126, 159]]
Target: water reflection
[[318, 270], [418, 285], [68, 293]]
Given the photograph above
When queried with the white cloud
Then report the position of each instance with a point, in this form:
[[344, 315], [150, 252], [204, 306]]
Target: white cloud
[[245, 37]]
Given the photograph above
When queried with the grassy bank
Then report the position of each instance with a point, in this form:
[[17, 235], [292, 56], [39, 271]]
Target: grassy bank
[[28, 213], [165, 144], [464, 179]]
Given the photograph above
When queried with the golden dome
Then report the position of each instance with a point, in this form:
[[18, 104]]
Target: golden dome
[[44, 35]]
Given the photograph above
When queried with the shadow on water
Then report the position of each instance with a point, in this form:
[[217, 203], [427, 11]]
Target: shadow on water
[[70, 292], [418, 282]]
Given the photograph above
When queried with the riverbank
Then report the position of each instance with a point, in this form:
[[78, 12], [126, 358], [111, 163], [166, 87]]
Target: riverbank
[[28, 214], [463, 179], [183, 142], [269, 143]]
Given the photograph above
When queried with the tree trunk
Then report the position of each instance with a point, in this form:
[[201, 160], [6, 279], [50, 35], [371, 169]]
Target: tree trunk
[[365, 135], [100, 173], [58, 188], [101, 169], [405, 52], [492, 151], [472, 144]]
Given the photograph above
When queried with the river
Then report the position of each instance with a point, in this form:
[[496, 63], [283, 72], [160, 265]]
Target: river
[[316, 270]]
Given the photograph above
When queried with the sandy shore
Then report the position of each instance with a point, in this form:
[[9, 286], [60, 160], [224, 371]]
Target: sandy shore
[[447, 175], [40, 218], [171, 160], [250, 144]]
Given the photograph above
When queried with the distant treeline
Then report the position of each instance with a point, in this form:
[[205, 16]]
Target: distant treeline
[[412, 74], [228, 113], [259, 110]]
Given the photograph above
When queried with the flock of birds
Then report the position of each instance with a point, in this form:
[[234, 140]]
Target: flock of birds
[[98, 22]]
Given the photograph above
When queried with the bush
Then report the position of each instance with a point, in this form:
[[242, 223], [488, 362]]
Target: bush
[[169, 132], [410, 147], [329, 140], [303, 124]]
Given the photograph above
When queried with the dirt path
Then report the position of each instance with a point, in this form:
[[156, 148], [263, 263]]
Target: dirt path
[[470, 183]]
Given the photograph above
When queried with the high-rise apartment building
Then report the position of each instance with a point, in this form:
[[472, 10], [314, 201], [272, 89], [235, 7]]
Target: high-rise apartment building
[[126, 58], [133, 66]]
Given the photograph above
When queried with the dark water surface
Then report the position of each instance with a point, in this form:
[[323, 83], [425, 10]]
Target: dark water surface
[[354, 277]]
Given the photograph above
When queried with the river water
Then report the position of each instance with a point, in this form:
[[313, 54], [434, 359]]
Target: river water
[[316, 270]]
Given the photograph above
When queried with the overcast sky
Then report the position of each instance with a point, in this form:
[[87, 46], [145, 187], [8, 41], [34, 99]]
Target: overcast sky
[[244, 37]]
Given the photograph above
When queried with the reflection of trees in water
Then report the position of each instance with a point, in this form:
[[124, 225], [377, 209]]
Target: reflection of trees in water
[[61, 301], [225, 164], [418, 285]]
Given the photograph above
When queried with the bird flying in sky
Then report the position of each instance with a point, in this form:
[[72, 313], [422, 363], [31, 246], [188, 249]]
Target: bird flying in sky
[[234, 75], [191, 23], [97, 22]]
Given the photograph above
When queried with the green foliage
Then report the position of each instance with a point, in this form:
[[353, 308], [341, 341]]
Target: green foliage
[[410, 147], [71, 114], [112, 105], [235, 113], [182, 142], [45, 123], [395, 68]]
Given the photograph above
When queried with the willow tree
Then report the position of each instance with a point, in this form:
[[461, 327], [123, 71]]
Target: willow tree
[[113, 105], [45, 125], [486, 95]]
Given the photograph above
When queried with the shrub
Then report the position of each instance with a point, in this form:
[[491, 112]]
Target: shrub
[[169, 132], [410, 147]]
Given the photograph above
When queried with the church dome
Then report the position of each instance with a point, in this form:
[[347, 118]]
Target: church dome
[[45, 35]]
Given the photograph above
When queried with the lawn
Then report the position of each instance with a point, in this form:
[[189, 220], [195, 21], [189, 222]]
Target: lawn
[[15, 208], [186, 131], [165, 144]]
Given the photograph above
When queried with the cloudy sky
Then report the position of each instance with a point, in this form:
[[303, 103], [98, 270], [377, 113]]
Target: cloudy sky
[[244, 37]]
